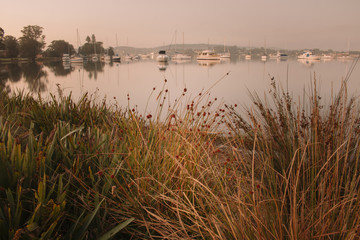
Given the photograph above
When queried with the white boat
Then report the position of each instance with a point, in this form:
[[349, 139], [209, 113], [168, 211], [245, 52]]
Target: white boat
[[308, 55], [66, 57], [180, 56], [274, 56], [279, 56], [326, 57], [225, 55], [95, 59], [162, 57], [76, 59], [116, 58], [128, 58], [208, 55], [282, 56], [344, 57], [264, 57], [248, 57], [145, 56]]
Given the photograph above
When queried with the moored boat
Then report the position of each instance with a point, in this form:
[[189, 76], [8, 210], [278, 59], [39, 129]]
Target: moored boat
[[308, 55], [66, 57], [247, 57], [225, 55], [116, 58], [76, 59], [180, 56], [208, 55], [162, 57]]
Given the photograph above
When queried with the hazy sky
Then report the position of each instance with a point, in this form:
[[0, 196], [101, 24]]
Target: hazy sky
[[288, 24]]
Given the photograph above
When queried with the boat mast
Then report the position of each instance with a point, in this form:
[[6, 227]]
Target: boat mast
[[78, 42]]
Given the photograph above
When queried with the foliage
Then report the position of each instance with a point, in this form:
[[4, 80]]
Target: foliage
[[12, 46], [110, 51], [91, 48], [305, 160], [93, 38], [58, 47], [84, 170], [32, 42], [2, 32]]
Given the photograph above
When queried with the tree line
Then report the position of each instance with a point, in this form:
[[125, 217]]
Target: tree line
[[32, 45]]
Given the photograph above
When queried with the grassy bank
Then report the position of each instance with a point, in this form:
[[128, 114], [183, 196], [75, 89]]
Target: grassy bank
[[83, 170]]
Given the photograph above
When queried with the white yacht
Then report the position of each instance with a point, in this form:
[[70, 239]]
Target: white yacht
[[225, 55], [116, 58], [162, 57], [180, 56], [308, 55], [76, 59], [208, 55], [66, 57]]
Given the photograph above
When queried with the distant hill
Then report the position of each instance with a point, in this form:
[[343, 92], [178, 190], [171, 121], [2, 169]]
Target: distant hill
[[187, 48], [192, 49]]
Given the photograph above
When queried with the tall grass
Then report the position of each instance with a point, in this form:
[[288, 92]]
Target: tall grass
[[83, 170], [306, 160]]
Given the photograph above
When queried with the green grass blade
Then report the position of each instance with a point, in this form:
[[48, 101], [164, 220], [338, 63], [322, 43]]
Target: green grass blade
[[116, 229], [83, 229]]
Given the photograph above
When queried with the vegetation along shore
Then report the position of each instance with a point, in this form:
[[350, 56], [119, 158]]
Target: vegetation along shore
[[282, 168]]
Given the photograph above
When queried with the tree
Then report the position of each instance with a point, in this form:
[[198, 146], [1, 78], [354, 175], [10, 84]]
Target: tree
[[89, 48], [11, 46], [32, 42], [93, 39], [2, 32], [110, 51], [88, 40], [58, 47]]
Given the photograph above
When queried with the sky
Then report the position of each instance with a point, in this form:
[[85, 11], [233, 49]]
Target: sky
[[284, 24]]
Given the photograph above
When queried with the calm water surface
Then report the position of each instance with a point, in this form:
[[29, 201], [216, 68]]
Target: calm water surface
[[116, 81]]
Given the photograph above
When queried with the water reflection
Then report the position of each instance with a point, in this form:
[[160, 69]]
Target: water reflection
[[116, 80], [59, 68], [35, 76], [162, 66], [208, 63], [93, 68], [308, 63], [11, 72], [181, 61]]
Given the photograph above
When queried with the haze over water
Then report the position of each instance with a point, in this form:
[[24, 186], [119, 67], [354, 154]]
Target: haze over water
[[138, 78]]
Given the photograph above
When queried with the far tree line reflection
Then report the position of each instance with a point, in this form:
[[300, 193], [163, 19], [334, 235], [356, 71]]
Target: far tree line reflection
[[36, 75]]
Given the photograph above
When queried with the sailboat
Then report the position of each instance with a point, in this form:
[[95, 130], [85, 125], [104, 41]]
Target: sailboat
[[264, 57], [95, 58], [225, 54], [77, 58], [345, 56], [181, 56], [248, 55], [162, 57]]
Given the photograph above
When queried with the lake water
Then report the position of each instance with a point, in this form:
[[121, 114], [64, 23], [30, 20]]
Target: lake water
[[228, 81]]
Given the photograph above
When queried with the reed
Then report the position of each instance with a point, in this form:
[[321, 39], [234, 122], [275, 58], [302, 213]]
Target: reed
[[84, 170], [305, 159]]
